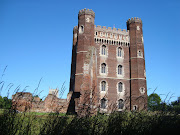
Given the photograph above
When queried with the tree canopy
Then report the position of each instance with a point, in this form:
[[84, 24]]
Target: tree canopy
[[5, 103]]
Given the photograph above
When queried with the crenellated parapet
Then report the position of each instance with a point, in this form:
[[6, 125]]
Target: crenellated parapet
[[134, 20], [111, 30], [112, 36], [75, 29], [86, 12]]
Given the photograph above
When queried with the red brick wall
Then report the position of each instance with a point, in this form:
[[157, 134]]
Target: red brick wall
[[133, 68]]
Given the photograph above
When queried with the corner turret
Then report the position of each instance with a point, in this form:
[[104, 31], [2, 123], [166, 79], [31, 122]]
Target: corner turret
[[137, 64], [86, 12]]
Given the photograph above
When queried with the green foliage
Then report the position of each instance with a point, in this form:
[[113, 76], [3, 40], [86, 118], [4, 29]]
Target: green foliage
[[175, 106], [5, 103], [154, 101]]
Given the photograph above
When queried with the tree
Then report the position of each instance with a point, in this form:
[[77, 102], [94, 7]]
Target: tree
[[5, 103], [154, 102], [1, 102], [175, 106]]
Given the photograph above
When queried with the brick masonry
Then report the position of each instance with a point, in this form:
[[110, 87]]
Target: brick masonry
[[25, 102], [85, 94], [85, 70]]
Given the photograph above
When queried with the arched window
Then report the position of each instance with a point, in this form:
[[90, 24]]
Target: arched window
[[120, 87], [120, 104], [103, 103], [119, 52], [81, 29], [119, 70], [103, 68], [135, 107], [103, 51], [103, 86]]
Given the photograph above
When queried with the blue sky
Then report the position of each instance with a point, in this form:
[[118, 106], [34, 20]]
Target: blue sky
[[36, 40]]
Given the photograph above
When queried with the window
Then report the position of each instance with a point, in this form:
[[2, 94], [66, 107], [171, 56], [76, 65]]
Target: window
[[81, 29], [135, 107], [120, 104], [103, 51], [103, 103], [96, 33], [140, 54], [103, 68], [142, 90], [119, 52], [115, 36], [138, 28], [119, 70], [103, 86], [111, 36], [120, 87]]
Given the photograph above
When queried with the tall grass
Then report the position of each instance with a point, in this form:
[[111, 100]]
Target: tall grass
[[124, 123]]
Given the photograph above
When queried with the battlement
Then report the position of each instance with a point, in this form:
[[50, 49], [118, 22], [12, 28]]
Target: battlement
[[134, 20], [75, 28], [87, 12], [54, 92], [111, 30]]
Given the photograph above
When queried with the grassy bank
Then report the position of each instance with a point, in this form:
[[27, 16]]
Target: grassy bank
[[125, 123]]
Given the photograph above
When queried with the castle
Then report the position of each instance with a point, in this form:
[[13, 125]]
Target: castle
[[108, 66], [107, 71]]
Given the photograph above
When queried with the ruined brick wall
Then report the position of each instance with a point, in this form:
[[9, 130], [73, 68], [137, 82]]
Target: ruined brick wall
[[24, 101]]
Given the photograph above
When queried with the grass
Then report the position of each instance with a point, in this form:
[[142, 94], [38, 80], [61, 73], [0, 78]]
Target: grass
[[36, 113], [45, 114], [125, 123]]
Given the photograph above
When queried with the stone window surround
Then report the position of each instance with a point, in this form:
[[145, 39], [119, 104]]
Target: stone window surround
[[135, 107], [81, 29], [106, 89], [106, 104], [118, 104], [106, 54], [123, 88], [106, 70], [103, 50], [141, 54], [122, 53], [120, 70], [142, 90], [103, 68], [120, 75], [103, 86]]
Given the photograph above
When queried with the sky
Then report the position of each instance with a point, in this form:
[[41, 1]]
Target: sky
[[36, 41]]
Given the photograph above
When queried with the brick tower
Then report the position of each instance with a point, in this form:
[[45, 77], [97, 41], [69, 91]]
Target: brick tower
[[82, 68], [108, 66], [138, 93]]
